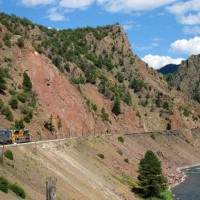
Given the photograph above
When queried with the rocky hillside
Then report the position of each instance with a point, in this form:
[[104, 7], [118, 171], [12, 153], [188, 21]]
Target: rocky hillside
[[187, 78], [77, 82]]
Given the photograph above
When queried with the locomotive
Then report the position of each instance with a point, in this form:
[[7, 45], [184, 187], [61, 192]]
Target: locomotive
[[14, 136]]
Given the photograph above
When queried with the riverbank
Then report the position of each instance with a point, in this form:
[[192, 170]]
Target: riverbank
[[179, 170]]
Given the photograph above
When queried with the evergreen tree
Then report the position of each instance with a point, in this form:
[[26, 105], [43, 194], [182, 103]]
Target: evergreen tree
[[2, 81], [49, 124], [128, 99], [151, 180], [27, 85], [104, 115], [116, 107]]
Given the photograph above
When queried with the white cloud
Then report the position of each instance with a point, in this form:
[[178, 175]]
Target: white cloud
[[128, 25], [191, 46], [54, 15], [30, 3], [157, 61], [186, 12], [76, 4], [194, 30], [151, 46], [131, 5]]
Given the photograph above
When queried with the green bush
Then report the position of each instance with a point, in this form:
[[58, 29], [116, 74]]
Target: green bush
[[2, 81], [27, 85], [13, 102], [1, 104], [19, 191], [28, 117], [126, 160], [22, 97], [153, 136], [3, 184], [49, 124], [128, 99], [121, 139], [20, 42], [104, 115], [186, 112], [137, 85], [100, 155], [19, 124], [166, 105], [116, 107], [8, 154], [7, 112]]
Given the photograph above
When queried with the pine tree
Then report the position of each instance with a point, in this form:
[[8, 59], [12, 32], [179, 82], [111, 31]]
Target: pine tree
[[151, 180], [116, 107], [2, 81], [27, 85]]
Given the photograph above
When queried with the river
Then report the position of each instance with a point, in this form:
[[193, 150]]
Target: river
[[190, 188]]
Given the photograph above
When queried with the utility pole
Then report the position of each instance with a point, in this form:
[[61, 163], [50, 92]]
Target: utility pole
[[51, 188]]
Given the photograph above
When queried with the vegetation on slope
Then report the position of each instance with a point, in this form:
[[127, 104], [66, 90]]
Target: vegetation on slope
[[98, 56]]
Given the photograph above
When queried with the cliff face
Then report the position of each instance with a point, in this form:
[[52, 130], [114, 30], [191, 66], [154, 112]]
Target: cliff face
[[77, 75], [187, 77]]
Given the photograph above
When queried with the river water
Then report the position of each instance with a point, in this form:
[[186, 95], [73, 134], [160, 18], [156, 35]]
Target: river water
[[190, 188]]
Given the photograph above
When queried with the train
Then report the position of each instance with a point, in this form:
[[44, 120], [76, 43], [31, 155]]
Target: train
[[14, 136]]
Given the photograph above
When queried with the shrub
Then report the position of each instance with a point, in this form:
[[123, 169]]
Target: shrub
[[19, 191], [104, 115], [27, 85], [8, 154], [138, 114], [49, 124], [13, 102], [7, 112], [128, 99], [137, 85], [126, 160], [100, 155], [19, 124], [28, 117], [186, 112], [2, 81], [3, 184], [166, 105], [153, 136], [121, 139], [168, 126], [20, 42], [116, 107], [1, 104], [22, 97]]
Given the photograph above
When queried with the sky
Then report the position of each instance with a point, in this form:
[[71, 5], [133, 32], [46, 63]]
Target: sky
[[159, 31]]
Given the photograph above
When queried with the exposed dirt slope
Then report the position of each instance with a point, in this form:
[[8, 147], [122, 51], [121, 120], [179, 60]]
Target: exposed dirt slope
[[77, 73], [82, 174]]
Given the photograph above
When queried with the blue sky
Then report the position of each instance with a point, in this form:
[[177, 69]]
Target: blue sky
[[159, 31]]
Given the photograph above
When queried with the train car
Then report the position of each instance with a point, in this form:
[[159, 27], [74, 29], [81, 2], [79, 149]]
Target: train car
[[14, 136], [20, 136], [5, 137]]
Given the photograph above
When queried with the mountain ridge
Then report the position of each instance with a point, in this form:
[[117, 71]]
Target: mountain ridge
[[99, 67]]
